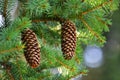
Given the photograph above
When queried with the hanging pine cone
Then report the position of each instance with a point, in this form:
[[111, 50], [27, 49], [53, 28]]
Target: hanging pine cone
[[68, 39], [32, 49]]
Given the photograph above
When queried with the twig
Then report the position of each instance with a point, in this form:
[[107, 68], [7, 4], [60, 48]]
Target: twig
[[41, 78], [24, 10], [82, 0], [10, 75], [66, 66], [93, 32], [77, 59], [5, 11], [20, 26], [103, 22], [19, 68], [12, 49], [80, 73], [56, 18], [99, 6], [7, 68], [45, 19], [5, 8], [42, 20], [59, 19]]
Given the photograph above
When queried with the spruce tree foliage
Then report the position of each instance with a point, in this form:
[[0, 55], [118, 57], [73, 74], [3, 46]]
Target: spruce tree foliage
[[92, 19]]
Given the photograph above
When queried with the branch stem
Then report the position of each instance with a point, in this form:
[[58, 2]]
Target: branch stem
[[92, 31], [99, 6], [12, 49]]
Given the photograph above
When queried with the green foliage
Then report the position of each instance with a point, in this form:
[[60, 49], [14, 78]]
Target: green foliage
[[37, 7], [15, 28], [91, 17]]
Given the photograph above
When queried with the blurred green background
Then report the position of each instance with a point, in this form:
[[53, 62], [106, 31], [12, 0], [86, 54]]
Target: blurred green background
[[110, 69]]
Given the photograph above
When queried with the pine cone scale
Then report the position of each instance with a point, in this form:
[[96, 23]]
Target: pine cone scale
[[65, 33]]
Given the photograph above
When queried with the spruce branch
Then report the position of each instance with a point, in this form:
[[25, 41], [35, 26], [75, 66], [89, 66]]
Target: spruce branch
[[5, 8], [99, 6], [17, 48], [18, 65], [103, 22], [46, 19], [41, 78], [10, 75], [82, 0], [99, 19], [34, 14], [7, 68], [66, 66], [79, 73], [77, 59], [15, 28], [5, 11], [60, 19], [20, 26], [92, 31]]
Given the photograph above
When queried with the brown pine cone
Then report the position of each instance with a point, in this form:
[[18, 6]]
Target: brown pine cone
[[32, 49], [68, 39]]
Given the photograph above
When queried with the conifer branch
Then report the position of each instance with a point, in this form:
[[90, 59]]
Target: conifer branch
[[99, 6], [7, 68], [77, 59], [41, 78], [23, 10], [5, 11], [66, 66], [103, 22], [17, 48], [19, 68], [20, 26], [80, 73], [10, 75], [82, 0], [93, 32], [42, 20], [59, 19], [47, 19], [5, 8], [52, 11]]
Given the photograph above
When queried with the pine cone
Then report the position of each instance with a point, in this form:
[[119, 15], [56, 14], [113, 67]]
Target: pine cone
[[68, 39], [32, 49]]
